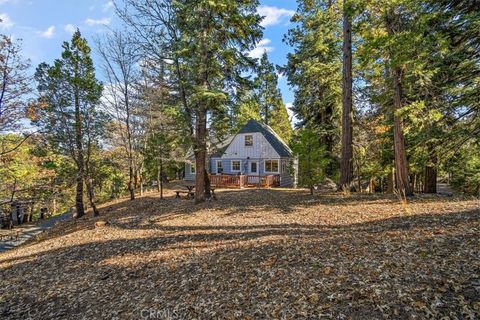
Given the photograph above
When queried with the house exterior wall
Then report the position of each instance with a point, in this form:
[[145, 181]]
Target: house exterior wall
[[261, 148]]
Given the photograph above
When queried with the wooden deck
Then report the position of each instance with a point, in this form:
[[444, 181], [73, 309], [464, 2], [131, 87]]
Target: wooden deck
[[244, 181]]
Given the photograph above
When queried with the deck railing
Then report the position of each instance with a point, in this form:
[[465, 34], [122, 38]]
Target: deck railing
[[243, 181]]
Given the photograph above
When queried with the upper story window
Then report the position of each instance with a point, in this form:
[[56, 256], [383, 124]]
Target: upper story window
[[248, 140], [192, 168]]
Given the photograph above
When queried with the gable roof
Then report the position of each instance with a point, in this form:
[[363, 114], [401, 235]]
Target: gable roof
[[275, 141]]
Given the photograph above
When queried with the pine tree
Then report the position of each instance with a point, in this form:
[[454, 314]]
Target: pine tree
[[346, 166], [273, 111], [314, 71], [67, 110]]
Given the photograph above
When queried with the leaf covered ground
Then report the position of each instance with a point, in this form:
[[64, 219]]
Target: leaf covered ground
[[254, 254]]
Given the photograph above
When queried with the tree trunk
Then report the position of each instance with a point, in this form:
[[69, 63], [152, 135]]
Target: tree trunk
[[131, 188], [200, 154], [346, 166], [208, 192], [401, 163], [79, 159], [431, 174], [91, 197]]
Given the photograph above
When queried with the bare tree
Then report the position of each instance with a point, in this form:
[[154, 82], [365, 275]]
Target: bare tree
[[120, 57], [15, 84]]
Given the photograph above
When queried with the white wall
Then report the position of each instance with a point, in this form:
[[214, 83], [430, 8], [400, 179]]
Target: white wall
[[261, 148]]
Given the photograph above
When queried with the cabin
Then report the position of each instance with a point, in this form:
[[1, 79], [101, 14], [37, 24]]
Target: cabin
[[255, 157]]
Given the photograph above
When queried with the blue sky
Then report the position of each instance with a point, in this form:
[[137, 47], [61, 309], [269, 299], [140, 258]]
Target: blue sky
[[44, 24]]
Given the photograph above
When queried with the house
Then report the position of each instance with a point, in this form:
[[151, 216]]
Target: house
[[256, 155]]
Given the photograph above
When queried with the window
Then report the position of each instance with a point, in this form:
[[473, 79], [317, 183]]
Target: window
[[235, 165], [219, 166], [271, 166], [192, 168], [248, 140]]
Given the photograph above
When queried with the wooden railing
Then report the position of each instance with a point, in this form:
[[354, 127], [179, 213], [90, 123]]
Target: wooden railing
[[242, 181]]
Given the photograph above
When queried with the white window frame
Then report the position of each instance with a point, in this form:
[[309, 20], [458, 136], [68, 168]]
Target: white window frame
[[239, 166], [265, 165], [245, 140], [221, 165], [193, 169]]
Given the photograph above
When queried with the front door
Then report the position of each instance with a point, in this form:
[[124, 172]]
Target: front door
[[253, 173], [253, 168]]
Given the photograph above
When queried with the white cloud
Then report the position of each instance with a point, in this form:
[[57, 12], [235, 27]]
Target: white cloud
[[262, 46], [274, 15], [107, 6], [49, 33], [70, 28], [93, 22], [6, 22], [291, 115]]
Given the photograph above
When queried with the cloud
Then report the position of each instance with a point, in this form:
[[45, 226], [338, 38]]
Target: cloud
[[262, 46], [107, 6], [291, 114], [274, 15], [93, 22], [6, 22], [49, 33], [70, 28]]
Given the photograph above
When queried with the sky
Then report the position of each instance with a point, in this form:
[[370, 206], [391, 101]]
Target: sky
[[43, 25]]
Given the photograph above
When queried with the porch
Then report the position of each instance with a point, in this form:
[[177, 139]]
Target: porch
[[244, 181]]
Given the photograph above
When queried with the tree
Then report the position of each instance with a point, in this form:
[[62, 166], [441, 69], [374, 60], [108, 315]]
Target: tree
[[67, 110], [271, 107], [120, 57], [314, 72], [346, 167], [312, 158], [14, 86]]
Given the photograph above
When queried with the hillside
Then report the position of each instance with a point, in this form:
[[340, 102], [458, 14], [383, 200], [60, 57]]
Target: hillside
[[253, 254]]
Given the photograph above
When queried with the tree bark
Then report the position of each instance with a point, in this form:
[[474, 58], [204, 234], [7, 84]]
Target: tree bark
[[91, 197], [79, 159], [346, 166], [200, 154], [401, 163]]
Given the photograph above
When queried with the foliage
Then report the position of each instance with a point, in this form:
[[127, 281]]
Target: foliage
[[312, 158]]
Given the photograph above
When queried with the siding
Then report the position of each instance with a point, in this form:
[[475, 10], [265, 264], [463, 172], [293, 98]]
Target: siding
[[261, 148]]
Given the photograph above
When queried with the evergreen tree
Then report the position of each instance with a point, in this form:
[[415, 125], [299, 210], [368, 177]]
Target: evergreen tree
[[314, 71], [67, 110], [273, 111]]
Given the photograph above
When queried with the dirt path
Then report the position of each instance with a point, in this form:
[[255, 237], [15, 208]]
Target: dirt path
[[27, 232]]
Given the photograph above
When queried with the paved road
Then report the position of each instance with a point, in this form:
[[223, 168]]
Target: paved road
[[28, 232]]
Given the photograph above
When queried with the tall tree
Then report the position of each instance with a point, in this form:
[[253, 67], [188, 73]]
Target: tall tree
[[314, 72], [67, 109], [272, 110], [14, 85], [120, 58], [346, 167]]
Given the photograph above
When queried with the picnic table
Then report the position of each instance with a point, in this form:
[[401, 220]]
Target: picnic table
[[191, 194]]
